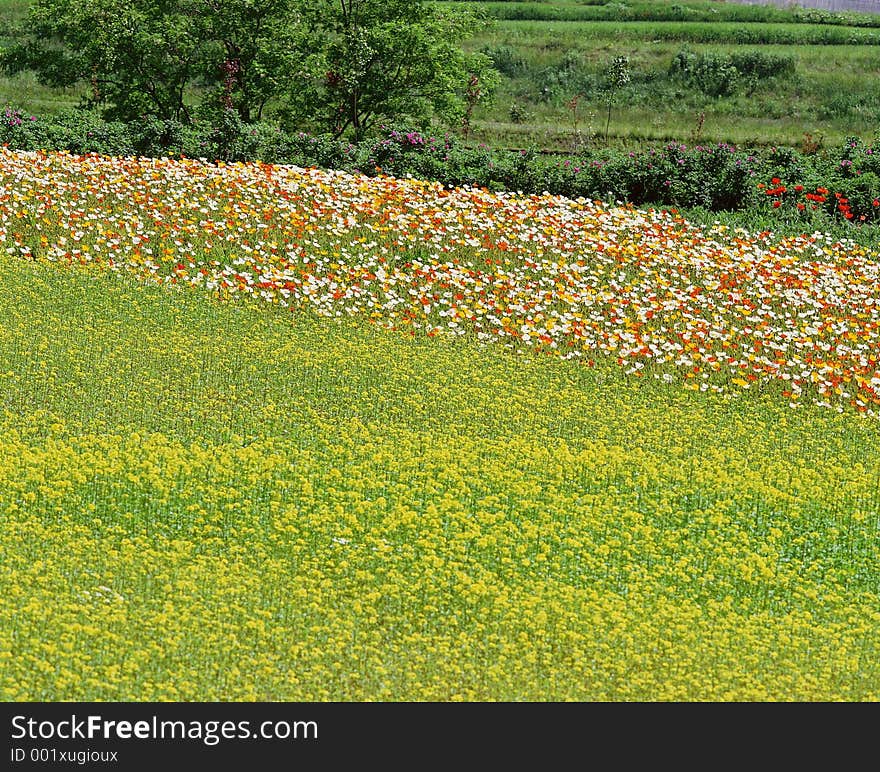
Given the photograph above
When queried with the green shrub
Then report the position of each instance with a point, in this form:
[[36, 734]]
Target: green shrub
[[517, 113], [762, 65], [77, 131], [153, 136], [711, 178], [714, 75], [719, 76], [566, 77], [507, 60], [20, 130]]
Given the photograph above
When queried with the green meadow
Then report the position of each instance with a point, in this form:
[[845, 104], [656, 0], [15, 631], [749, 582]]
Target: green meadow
[[554, 56]]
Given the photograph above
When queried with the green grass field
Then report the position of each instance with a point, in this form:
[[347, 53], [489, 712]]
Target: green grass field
[[548, 62], [838, 99]]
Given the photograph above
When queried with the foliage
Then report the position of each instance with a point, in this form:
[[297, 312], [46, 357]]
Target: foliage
[[253, 50], [714, 75], [136, 57], [507, 60], [831, 92], [480, 90], [567, 76], [77, 131], [720, 75], [761, 64], [617, 76], [517, 113], [716, 177], [379, 60], [338, 65]]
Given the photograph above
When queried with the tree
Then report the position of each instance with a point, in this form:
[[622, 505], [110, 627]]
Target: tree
[[136, 56], [616, 77], [386, 60], [481, 85], [145, 56], [253, 49], [341, 65]]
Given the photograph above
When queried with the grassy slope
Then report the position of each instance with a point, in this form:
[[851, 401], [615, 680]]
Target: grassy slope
[[833, 94], [662, 10], [208, 501]]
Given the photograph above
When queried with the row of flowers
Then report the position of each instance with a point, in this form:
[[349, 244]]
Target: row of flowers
[[713, 308]]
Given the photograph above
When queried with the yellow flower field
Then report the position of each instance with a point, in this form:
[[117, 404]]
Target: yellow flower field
[[208, 497]]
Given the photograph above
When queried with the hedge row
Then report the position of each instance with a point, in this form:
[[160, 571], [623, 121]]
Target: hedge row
[[716, 177]]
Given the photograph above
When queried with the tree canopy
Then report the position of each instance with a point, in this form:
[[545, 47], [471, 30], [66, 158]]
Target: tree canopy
[[334, 65]]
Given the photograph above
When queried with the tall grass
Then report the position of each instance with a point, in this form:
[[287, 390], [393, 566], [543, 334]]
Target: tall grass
[[674, 12], [697, 32]]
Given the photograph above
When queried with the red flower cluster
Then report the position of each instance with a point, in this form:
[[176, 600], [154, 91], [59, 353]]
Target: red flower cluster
[[843, 206], [819, 197], [814, 199]]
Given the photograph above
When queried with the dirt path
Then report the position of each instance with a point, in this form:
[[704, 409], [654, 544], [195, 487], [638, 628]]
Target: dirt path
[[863, 6]]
